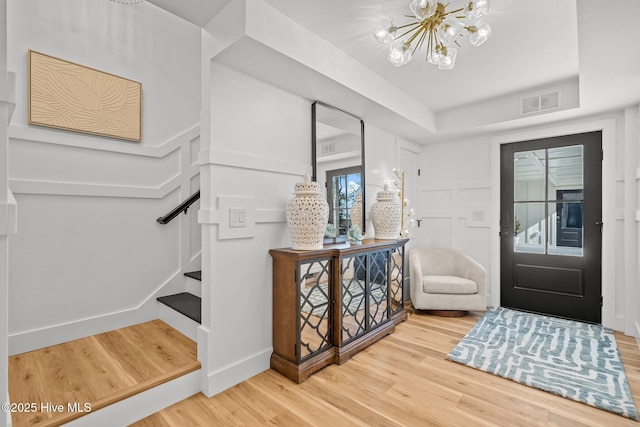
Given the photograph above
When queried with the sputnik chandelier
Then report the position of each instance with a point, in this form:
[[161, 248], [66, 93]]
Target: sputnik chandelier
[[438, 27]]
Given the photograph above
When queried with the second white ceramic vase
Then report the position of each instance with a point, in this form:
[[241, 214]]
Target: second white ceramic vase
[[386, 215]]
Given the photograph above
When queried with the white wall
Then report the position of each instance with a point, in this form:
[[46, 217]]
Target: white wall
[[455, 181], [7, 224], [260, 147], [90, 255], [460, 176], [632, 211]]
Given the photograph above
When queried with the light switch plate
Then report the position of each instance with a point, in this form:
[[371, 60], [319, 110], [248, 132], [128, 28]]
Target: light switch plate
[[237, 217]]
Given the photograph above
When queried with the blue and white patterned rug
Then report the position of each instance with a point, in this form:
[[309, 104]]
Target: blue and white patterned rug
[[572, 359]]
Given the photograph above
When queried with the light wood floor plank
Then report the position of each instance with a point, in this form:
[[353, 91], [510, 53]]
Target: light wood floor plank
[[99, 370], [402, 380]]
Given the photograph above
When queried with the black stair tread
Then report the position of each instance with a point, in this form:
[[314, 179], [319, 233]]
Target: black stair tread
[[194, 275], [184, 303]]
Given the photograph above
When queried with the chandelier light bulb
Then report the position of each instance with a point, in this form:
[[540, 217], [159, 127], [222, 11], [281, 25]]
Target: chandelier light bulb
[[448, 58], [476, 8], [479, 32], [433, 56], [400, 53], [385, 32], [423, 9], [449, 30]]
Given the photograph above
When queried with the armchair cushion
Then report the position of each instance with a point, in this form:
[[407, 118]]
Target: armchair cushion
[[448, 285], [446, 279]]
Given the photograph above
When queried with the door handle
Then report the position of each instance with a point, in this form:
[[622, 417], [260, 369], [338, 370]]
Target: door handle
[[600, 223]]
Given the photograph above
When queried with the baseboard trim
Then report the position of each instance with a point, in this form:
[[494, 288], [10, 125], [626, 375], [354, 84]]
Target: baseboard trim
[[143, 404], [230, 375], [45, 337]]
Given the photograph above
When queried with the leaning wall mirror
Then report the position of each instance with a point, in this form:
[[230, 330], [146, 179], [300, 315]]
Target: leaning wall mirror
[[338, 164]]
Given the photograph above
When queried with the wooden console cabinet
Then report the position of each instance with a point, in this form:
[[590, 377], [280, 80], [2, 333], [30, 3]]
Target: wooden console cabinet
[[330, 303]]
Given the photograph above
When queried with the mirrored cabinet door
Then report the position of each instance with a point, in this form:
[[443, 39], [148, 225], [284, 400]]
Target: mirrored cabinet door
[[353, 290], [314, 299]]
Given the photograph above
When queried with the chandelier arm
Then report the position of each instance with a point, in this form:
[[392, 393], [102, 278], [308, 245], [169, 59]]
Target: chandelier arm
[[416, 29], [420, 41], [454, 11], [432, 43], [416, 34], [417, 23]]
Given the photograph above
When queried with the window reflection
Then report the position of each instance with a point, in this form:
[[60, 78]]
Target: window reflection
[[344, 186]]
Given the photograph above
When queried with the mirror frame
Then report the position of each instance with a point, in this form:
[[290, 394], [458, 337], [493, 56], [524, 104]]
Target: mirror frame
[[314, 147]]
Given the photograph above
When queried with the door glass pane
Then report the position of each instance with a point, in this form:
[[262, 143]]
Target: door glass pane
[[566, 172], [565, 233], [338, 216], [549, 182], [529, 227], [529, 172]]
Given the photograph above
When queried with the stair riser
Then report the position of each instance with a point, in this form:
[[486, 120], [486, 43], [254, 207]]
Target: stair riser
[[178, 321], [142, 404], [194, 287]]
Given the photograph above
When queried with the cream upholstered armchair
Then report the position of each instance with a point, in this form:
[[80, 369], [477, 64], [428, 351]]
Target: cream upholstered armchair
[[447, 281]]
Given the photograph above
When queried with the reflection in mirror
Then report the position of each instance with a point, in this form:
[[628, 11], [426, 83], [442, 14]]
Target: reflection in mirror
[[338, 164]]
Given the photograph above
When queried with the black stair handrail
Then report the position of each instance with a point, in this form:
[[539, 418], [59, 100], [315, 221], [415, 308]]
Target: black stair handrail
[[183, 207]]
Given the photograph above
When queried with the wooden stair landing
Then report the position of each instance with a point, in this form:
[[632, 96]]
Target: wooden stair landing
[[97, 371]]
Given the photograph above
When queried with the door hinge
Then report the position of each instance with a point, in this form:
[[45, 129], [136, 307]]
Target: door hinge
[[601, 154], [601, 301], [418, 172]]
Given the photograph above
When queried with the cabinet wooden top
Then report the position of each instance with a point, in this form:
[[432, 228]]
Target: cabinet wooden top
[[337, 249]]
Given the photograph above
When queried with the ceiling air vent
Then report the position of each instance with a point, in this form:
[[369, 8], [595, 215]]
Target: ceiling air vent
[[540, 103], [329, 148]]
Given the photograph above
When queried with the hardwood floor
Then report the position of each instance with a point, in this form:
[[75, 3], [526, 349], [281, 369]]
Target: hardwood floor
[[402, 380], [97, 370]]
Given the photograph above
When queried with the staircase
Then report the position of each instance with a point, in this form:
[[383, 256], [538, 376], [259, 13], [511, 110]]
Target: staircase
[[183, 310], [110, 379]]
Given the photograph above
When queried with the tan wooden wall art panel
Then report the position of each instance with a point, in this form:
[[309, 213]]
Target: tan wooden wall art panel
[[69, 96]]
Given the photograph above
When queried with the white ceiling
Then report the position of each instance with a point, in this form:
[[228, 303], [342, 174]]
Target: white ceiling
[[534, 43], [515, 47]]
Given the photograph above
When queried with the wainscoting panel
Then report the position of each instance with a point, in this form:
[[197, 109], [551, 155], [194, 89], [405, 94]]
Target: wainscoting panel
[[456, 215], [90, 255]]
